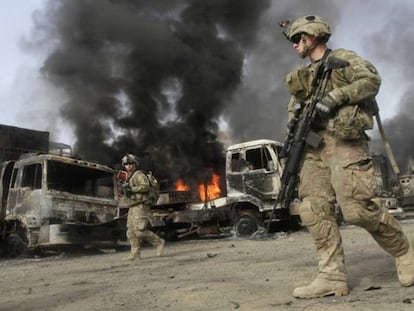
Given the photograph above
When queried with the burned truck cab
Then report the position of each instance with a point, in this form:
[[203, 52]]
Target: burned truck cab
[[62, 200], [253, 180], [253, 168]]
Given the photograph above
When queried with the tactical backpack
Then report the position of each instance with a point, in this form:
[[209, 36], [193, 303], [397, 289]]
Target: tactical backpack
[[154, 191]]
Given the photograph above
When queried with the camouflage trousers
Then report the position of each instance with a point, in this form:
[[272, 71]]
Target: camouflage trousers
[[342, 172], [137, 228]]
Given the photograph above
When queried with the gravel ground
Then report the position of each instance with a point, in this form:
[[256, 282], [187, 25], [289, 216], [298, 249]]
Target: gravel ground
[[207, 274]]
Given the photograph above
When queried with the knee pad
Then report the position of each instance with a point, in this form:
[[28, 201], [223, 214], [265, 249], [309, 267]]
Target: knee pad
[[307, 216], [314, 210]]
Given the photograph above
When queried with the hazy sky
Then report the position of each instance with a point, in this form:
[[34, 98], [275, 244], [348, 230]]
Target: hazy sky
[[27, 101], [24, 97], [16, 24], [16, 17]]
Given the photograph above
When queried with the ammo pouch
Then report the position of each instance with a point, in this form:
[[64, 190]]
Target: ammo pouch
[[298, 83], [351, 121]]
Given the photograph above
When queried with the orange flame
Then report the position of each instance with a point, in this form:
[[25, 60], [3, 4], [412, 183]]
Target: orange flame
[[181, 186], [213, 189]]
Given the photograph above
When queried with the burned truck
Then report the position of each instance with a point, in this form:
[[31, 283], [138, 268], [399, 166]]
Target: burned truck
[[49, 200], [253, 171]]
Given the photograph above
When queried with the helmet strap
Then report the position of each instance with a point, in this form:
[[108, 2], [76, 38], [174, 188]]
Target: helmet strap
[[308, 49]]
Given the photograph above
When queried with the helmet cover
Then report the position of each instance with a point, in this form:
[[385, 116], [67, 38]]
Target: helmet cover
[[312, 25], [129, 159]]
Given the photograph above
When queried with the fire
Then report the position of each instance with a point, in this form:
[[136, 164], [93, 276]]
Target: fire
[[181, 186], [207, 191], [213, 189]]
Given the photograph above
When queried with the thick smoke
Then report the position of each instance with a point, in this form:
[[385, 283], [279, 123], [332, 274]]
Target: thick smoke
[[163, 78], [386, 45], [258, 108], [150, 77]]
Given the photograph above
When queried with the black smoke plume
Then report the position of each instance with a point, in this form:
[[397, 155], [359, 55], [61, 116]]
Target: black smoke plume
[[150, 77]]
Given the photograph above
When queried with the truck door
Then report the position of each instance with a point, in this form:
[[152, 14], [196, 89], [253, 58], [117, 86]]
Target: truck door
[[254, 171], [6, 175], [260, 175], [25, 193]]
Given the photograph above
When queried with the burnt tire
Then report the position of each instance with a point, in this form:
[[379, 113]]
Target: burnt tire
[[14, 246], [246, 225], [170, 235]]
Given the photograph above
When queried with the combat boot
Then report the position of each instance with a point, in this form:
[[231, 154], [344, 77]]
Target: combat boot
[[405, 266], [321, 288], [160, 248], [135, 254]]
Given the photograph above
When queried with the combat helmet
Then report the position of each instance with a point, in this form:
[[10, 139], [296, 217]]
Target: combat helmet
[[310, 24], [129, 158]]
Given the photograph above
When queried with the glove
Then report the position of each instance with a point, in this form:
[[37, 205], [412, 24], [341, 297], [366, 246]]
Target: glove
[[325, 107], [126, 188]]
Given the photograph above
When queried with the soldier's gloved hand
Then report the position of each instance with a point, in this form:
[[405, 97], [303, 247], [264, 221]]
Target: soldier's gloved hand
[[325, 107], [126, 187]]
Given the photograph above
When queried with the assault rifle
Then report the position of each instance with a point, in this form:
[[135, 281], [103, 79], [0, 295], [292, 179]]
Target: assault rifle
[[301, 135]]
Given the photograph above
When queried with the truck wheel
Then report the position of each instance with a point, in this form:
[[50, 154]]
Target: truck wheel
[[246, 225], [15, 246], [170, 235]]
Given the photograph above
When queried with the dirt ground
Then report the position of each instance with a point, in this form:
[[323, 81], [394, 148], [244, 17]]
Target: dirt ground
[[209, 274]]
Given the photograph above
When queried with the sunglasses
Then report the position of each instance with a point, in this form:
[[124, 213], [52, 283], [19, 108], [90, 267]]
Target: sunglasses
[[296, 38]]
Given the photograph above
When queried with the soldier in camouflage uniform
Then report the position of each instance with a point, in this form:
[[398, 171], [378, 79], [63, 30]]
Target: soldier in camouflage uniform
[[136, 190], [341, 169]]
